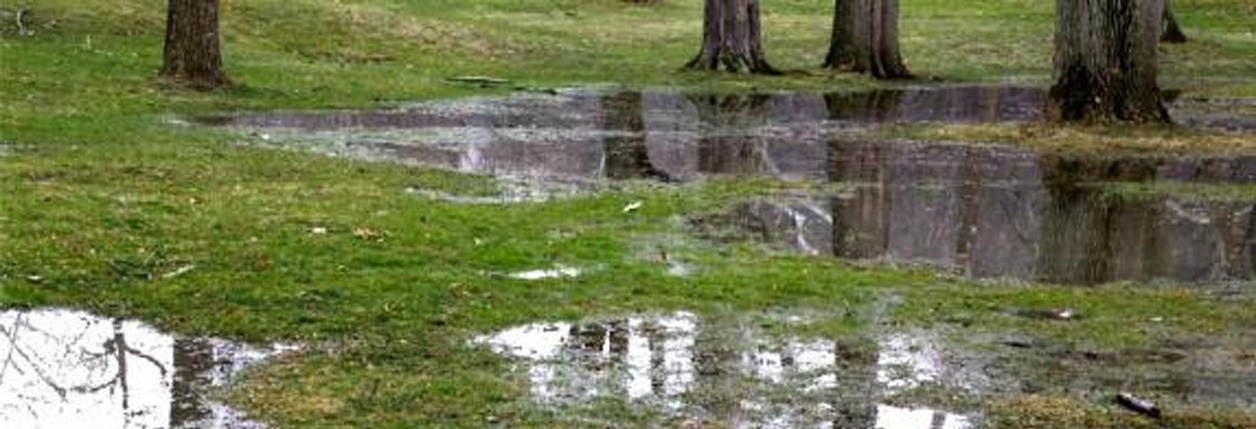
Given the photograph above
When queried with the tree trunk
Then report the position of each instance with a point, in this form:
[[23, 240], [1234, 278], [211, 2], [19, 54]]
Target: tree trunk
[[192, 56], [1171, 32], [193, 361], [1105, 61], [732, 39], [865, 39]]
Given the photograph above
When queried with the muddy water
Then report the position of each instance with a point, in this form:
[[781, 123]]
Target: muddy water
[[63, 369], [998, 212], [693, 371]]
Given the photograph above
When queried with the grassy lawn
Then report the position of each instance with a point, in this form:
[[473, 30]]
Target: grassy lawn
[[100, 196]]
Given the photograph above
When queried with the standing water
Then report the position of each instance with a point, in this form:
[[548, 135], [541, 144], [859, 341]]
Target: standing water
[[64, 369]]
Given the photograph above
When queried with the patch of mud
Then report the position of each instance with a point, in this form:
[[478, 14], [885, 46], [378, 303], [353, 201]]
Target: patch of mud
[[683, 369], [64, 369], [1207, 374], [1003, 213]]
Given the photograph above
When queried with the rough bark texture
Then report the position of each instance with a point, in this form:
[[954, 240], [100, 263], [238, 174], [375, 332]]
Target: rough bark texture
[[1105, 61], [1170, 31], [731, 38], [865, 39], [192, 55]]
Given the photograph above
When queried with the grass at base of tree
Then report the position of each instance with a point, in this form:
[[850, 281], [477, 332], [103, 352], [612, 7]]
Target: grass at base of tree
[[100, 196]]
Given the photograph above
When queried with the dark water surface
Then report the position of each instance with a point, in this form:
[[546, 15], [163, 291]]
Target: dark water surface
[[64, 369], [998, 212], [987, 211]]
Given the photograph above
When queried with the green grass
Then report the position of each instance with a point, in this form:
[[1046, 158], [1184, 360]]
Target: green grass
[[99, 197]]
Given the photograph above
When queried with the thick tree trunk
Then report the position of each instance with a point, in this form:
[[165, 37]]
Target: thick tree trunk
[[865, 39], [1170, 31], [192, 56], [1105, 61], [732, 39]]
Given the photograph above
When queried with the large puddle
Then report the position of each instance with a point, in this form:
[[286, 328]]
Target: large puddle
[[582, 137], [683, 370], [998, 212], [988, 211], [63, 369]]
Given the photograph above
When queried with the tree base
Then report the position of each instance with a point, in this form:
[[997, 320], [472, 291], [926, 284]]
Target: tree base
[[1173, 37], [196, 83], [1077, 101], [733, 63]]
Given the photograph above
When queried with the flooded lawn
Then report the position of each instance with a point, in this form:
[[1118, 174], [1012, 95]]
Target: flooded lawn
[[979, 210], [65, 369], [986, 211], [683, 369], [741, 371], [999, 212], [582, 138]]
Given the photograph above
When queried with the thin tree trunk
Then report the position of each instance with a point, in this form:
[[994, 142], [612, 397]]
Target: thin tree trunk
[[865, 39], [732, 38], [1105, 61], [1171, 32], [192, 54]]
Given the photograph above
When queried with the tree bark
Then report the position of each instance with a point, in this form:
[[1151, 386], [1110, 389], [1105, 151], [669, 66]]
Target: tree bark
[[865, 39], [1171, 32], [732, 38], [192, 55], [1105, 61]]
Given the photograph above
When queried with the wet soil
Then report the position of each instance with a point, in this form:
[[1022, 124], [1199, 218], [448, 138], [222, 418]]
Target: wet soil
[[65, 369]]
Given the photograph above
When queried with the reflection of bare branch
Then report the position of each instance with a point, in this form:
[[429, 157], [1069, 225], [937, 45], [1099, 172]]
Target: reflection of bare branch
[[8, 360], [12, 336]]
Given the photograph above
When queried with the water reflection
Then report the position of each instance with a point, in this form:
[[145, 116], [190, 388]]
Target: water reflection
[[632, 135], [987, 211], [66, 369], [994, 212], [584, 137], [723, 371]]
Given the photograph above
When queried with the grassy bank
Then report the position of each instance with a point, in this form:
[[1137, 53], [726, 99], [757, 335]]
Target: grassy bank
[[100, 198]]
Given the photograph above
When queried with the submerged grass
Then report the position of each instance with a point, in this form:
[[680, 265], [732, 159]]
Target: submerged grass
[[1086, 139], [101, 199]]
